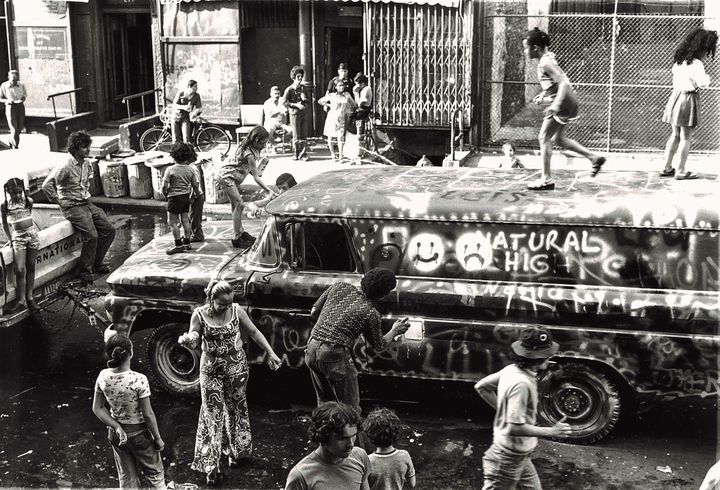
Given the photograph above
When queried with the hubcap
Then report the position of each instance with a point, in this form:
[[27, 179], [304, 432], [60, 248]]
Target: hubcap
[[573, 401], [182, 361]]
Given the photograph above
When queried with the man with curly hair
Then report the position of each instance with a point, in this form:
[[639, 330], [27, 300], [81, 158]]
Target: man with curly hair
[[69, 186], [336, 463], [343, 313]]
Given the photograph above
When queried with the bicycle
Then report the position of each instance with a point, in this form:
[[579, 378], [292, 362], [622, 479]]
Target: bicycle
[[204, 135], [369, 151]]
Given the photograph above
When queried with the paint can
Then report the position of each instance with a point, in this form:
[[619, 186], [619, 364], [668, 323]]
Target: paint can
[[113, 175]]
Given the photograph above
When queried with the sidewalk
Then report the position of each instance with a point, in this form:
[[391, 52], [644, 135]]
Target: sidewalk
[[34, 151]]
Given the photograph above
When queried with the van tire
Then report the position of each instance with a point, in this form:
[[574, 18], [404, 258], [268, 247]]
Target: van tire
[[588, 397], [173, 367]]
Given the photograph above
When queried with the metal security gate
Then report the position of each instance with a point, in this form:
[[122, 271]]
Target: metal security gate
[[619, 64], [419, 62]]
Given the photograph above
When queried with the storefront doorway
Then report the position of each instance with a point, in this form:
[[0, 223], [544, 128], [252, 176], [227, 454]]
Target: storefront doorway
[[128, 61], [343, 44]]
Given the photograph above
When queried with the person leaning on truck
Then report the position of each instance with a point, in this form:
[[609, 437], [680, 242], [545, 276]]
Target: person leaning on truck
[[343, 313], [68, 185]]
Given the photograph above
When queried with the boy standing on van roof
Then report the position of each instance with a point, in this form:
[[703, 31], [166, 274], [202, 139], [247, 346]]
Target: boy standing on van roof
[[512, 391], [343, 313]]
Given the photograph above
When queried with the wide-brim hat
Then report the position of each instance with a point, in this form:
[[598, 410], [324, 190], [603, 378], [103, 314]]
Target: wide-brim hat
[[535, 343]]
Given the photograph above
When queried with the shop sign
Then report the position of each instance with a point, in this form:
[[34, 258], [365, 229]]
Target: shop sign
[[58, 7]]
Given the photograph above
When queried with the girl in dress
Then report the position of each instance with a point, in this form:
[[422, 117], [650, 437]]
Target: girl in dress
[[682, 111], [340, 105], [223, 425], [23, 233]]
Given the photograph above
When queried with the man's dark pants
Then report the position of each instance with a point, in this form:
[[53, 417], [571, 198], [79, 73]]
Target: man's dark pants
[[15, 115], [97, 234], [333, 373]]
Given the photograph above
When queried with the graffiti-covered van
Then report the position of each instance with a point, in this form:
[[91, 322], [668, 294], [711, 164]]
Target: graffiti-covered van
[[622, 268]]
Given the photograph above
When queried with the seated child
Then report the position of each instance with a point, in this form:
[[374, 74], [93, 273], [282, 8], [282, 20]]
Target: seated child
[[391, 467], [511, 160]]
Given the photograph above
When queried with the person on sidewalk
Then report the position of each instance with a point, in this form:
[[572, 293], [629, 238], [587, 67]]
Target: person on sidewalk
[[186, 105], [197, 203], [343, 313], [179, 182], [295, 100], [336, 463], [343, 75], [562, 108], [512, 391], [13, 95], [68, 185], [340, 106], [274, 114]]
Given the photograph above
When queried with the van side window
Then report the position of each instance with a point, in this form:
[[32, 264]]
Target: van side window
[[319, 246], [263, 252]]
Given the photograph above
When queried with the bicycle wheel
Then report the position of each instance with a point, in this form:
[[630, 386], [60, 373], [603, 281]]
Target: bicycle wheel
[[156, 139], [213, 138]]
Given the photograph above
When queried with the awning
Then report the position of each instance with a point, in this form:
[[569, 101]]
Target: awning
[[442, 3]]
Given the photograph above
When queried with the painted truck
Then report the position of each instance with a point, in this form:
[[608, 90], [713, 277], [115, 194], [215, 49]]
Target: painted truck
[[623, 269], [57, 257]]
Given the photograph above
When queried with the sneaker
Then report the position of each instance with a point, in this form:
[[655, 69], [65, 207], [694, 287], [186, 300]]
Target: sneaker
[[175, 250], [546, 185], [196, 239], [32, 304], [101, 269], [242, 242], [247, 237]]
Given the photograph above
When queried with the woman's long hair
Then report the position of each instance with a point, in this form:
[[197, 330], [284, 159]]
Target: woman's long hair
[[117, 349], [257, 134], [696, 44], [15, 183], [216, 288]]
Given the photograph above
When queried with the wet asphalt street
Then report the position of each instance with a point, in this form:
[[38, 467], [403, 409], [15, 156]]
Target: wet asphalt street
[[50, 438]]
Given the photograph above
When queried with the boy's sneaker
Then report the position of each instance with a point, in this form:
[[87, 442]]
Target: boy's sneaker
[[175, 250], [243, 241], [186, 244]]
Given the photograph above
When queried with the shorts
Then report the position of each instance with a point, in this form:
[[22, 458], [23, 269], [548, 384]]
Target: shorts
[[682, 109], [26, 238], [569, 109], [178, 204], [231, 177]]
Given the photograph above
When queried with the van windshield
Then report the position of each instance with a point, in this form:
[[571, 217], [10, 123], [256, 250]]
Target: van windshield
[[264, 251]]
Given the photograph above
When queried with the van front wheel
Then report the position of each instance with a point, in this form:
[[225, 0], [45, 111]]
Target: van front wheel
[[588, 399], [173, 367]]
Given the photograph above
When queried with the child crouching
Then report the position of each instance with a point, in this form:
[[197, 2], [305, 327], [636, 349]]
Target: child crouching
[[391, 467], [179, 181]]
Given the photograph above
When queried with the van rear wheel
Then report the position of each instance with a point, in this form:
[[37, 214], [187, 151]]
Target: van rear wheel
[[588, 398], [173, 367]]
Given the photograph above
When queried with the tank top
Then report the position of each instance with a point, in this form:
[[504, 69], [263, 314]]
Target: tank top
[[19, 215]]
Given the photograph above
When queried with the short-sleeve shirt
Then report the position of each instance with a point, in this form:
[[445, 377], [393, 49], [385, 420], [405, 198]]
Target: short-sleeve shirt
[[389, 471], [180, 179], [123, 392], [293, 95], [688, 78], [193, 101], [517, 404], [345, 313], [11, 91], [312, 473]]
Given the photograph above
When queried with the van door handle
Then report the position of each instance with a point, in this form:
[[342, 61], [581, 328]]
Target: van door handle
[[416, 330]]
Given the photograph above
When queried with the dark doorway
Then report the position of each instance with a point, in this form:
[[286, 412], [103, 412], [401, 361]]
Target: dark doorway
[[343, 44], [129, 63]]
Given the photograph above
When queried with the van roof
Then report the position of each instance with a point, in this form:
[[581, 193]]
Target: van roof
[[617, 198]]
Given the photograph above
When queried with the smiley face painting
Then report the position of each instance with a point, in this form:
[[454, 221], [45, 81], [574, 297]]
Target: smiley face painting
[[426, 252]]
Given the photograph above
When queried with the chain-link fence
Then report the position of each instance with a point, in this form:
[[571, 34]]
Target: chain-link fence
[[618, 64]]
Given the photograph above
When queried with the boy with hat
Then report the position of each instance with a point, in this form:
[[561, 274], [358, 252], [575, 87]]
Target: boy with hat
[[512, 391]]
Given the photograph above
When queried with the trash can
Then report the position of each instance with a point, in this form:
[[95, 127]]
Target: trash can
[[114, 178], [140, 179], [95, 185], [213, 193]]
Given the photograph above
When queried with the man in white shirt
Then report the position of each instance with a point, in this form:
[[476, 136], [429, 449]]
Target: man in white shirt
[[274, 114], [13, 95]]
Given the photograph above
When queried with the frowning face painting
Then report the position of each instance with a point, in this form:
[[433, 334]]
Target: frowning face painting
[[426, 252], [474, 251]]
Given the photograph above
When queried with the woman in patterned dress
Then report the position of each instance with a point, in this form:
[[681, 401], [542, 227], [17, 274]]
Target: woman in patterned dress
[[223, 424]]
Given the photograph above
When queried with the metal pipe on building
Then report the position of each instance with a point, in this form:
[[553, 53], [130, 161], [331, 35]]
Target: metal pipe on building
[[305, 38]]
